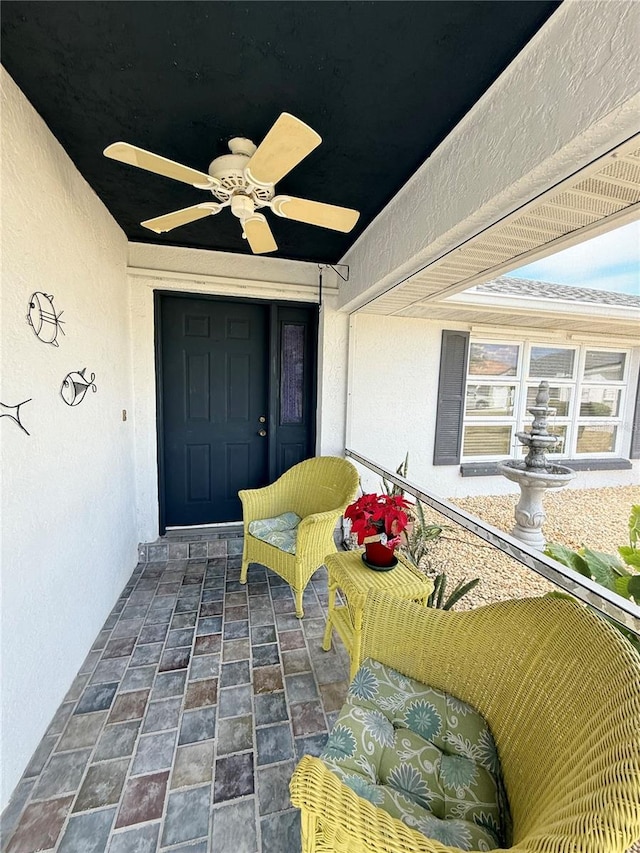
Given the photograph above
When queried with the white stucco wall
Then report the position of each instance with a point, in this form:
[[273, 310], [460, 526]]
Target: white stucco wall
[[385, 420], [571, 95], [216, 273], [68, 490]]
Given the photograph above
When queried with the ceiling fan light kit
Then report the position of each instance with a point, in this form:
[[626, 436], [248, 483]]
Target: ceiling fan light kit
[[245, 180]]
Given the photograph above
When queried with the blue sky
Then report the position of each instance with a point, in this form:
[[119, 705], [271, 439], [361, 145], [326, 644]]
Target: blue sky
[[608, 262]]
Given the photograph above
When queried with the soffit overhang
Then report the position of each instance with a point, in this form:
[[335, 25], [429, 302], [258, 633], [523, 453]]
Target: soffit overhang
[[602, 196]]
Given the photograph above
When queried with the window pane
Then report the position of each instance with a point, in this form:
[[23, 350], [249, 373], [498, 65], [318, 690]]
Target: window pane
[[493, 360], [604, 366], [599, 402], [490, 400], [559, 399], [292, 373], [558, 447], [596, 438], [487, 441], [552, 362]]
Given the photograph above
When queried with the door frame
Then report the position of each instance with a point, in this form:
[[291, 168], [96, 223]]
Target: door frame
[[273, 375]]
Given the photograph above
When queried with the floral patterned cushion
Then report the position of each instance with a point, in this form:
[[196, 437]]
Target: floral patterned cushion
[[425, 757], [281, 531]]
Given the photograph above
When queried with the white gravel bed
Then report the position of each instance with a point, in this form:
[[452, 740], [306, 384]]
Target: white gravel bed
[[594, 517]]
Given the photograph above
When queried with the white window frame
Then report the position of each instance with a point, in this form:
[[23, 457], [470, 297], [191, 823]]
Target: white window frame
[[483, 420], [619, 385], [553, 421], [521, 418]]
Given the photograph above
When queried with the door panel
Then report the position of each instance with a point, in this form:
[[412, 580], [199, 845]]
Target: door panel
[[214, 390], [198, 466], [228, 371]]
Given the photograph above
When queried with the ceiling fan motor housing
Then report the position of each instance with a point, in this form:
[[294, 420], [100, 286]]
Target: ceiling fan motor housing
[[229, 169]]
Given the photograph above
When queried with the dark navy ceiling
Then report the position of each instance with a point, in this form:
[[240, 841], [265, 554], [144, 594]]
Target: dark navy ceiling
[[382, 82]]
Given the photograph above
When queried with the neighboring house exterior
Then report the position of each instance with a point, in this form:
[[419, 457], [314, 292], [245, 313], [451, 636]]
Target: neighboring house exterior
[[464, 389], [592, 384], [80, 485]]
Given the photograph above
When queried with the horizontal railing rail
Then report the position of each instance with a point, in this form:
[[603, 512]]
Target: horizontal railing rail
[[621, 610]]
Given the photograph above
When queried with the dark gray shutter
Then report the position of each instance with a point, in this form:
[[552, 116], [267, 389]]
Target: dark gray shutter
[[634, 450], [451, 395]]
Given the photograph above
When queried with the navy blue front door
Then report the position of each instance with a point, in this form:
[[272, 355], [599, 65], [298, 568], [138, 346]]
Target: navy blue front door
[[236, 400]]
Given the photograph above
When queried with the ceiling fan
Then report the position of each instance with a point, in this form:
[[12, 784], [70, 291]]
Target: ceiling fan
[[245, 180]]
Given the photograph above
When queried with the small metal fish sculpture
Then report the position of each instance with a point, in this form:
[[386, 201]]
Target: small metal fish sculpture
[[15, 418], [75, 385], [43, 319]]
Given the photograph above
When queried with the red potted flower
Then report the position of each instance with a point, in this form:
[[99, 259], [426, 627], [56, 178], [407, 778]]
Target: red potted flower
[[378, 521]]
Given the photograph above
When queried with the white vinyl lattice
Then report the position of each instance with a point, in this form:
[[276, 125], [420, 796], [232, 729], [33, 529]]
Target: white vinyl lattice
[[579, 202]]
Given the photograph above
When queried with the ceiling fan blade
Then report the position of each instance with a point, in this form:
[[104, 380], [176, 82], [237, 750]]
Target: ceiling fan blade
[[288, 142], [181, 217], [134, 156], [258, 234], [315, 212]]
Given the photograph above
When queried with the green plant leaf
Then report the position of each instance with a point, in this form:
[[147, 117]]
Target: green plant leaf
[[634, 525], [404, 467], [420, 536], [629, 587], [567, 557], [603, 568], [437, 582], [460, 590], [607, 570], [390, 488], [431, 531], [630, 555], [633, 585]]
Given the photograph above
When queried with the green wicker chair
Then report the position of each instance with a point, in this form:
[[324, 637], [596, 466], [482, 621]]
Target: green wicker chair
[[560, 690], [318, 490]]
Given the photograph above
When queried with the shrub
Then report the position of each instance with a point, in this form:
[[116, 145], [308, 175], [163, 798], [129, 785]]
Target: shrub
[[618, 573]]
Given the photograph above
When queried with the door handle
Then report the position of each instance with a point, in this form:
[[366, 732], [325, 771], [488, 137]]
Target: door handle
[[262, 432], [262, 419]]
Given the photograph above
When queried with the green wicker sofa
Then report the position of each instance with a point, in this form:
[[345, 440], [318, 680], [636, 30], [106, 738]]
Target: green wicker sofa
[[560, 691]]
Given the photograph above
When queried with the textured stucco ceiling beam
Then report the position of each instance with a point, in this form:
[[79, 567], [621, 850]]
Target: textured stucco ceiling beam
[[569, 97], [443, 290]]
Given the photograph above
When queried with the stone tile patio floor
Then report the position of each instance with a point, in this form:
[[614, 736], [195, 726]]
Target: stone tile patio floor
[[185, 722]]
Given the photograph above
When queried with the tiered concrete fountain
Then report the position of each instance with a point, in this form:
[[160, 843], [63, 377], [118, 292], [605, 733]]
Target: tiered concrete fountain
[[535, 475]]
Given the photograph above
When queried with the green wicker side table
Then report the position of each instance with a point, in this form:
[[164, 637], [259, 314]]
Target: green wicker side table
[[348, 572]]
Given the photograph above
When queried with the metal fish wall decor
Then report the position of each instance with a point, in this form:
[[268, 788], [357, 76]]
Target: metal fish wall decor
[[43, 319], [7, 411], [75, 385]]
